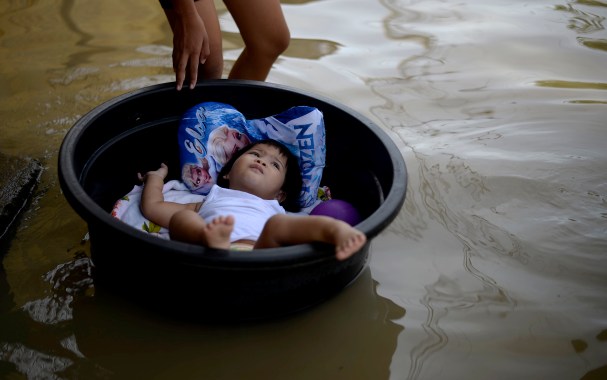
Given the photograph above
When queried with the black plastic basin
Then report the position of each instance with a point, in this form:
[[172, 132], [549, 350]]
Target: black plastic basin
[[103, 151]]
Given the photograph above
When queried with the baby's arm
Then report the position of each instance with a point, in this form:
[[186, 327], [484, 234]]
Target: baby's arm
[[153, 207]]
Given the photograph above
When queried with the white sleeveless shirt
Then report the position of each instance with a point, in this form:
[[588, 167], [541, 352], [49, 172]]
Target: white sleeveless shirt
[[250, 212]]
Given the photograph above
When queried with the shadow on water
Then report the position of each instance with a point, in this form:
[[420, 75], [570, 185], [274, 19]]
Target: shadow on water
[[36, 339], [78, 331]]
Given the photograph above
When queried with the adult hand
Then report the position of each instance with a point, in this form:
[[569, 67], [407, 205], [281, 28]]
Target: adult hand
[[190, 43]]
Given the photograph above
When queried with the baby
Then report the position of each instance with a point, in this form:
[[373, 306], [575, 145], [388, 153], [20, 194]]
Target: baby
[[247, 207]]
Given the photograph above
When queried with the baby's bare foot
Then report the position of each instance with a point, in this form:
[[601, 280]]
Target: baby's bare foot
[[216, 234], [348, 241]]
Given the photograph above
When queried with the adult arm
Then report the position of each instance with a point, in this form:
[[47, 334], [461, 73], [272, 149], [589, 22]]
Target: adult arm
[[190, 42]]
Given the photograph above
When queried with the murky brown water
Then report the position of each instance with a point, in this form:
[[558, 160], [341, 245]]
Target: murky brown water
[[495, 268]]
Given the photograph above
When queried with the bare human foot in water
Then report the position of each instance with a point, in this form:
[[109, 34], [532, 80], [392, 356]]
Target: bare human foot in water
[[216, 233]]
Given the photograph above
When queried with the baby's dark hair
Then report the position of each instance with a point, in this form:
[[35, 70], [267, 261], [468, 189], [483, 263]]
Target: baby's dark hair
[[293, 181]]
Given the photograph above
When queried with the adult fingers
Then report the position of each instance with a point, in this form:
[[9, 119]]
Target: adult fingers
[[193, 70], [206, 50], [180, 63]]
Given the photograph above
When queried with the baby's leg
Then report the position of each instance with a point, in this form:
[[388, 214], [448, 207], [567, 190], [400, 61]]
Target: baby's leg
[[189, 227], [283, 230]]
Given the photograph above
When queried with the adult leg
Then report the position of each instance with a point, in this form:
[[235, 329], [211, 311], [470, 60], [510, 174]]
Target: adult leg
[[284, 230], [264, 30], [189, 227], [213, 66]]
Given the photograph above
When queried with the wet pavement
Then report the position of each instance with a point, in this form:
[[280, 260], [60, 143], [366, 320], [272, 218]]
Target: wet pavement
[[18, 180]]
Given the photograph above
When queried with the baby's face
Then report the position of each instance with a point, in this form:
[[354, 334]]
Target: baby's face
[[260, 171]]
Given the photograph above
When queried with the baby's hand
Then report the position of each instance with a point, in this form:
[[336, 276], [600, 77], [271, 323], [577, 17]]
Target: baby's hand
[[160, 172]]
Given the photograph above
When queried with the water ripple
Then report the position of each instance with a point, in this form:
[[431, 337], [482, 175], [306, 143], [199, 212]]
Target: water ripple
[[66, 280], [582, 22]]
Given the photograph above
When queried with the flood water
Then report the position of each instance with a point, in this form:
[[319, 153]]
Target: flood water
[[495, 268]]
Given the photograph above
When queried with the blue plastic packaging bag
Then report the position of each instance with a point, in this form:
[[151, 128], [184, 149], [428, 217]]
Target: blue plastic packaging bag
[[211, 132]]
